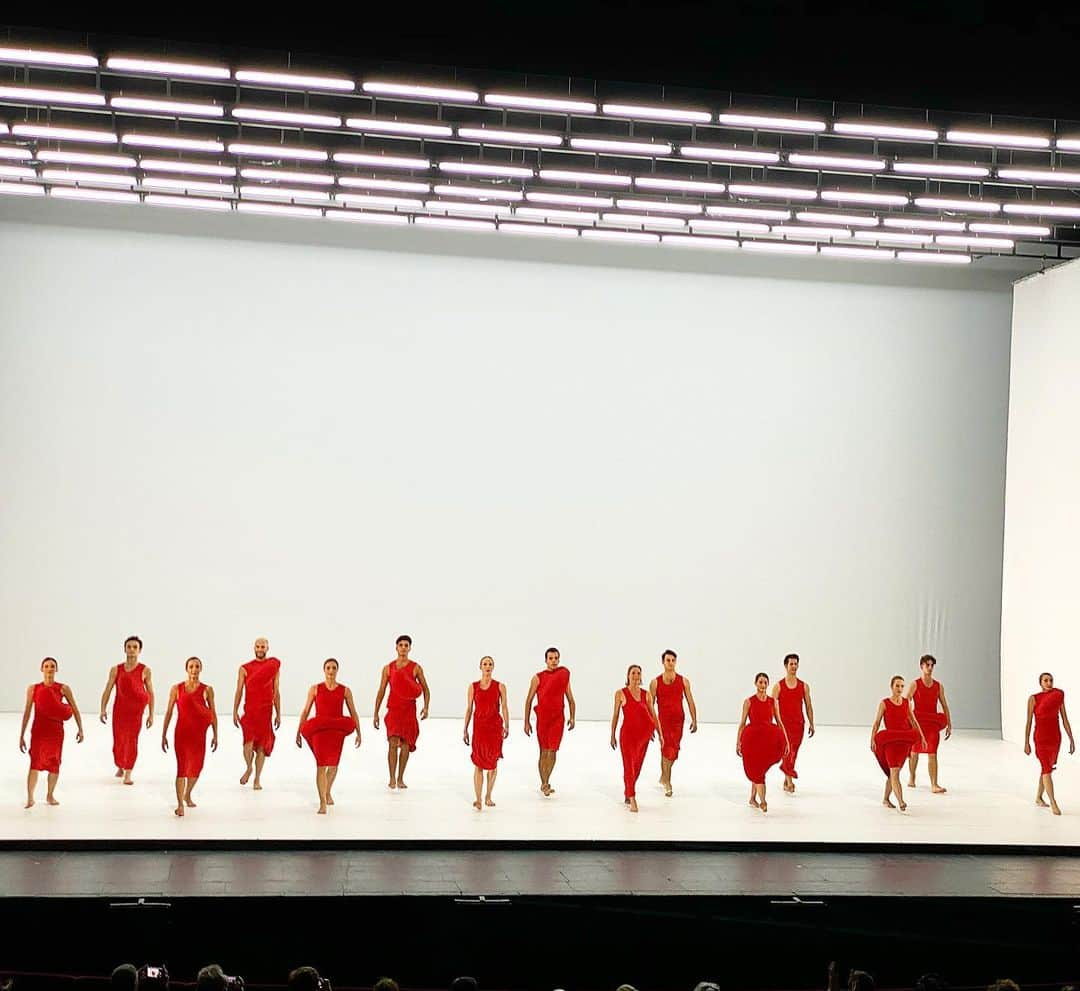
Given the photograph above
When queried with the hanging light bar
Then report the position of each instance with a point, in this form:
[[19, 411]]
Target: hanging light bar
[[87, 158], [738, 156], [1032, 209], [959, 241], [934, 257], [893, 237], [21, 189], [455, 224], [863, 254], [92, 178], [1041, 176], [260, 115], [748, 212], [413, 128], [368, 217], [186, 202], [767, 122], [538, 230], [294, 80], [641, 220], [780, 247], [194, 185], [1019, 230], [916, 223], [485, 168], [173, 142], [98, 195], [158, 67], [635, 237], [522, 101], [934, 169], [697, 241], [850, 220], [478, 192], [491, 135], [869, 129], [187, 168], [420, 92], [772, 192], [386, 185], [41, 56], [562, 216], [679, 185], [585, 178], [870, 199], [729, 226], [612, 146], [277, 151], [962, 206], [569, 199], [836, 161], [282, 175], [644, 112], [51, 132], [39, 94], [659, 206], [997, 139], [378, 161]]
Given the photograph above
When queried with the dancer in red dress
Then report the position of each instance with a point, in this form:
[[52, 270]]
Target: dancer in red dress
[[667, 691], [134, 693], [51, 703], [490, 727], [551, 689], [892, 745], [1048, 708], [639, 722], [406, 681], [257, 682], [761, 740], [792, 695], [325, 732], [194, 704], [926, 693]]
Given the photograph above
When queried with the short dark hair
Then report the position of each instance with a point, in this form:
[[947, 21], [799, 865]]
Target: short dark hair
[[405, 637], [304, 979], [671, 652], [927, 659], [790, 657], [44, 660], [464, 984], [330, 660], [211, 978], [125, 977], [134, 639], [760, 674], [552, 650], [385, 984]]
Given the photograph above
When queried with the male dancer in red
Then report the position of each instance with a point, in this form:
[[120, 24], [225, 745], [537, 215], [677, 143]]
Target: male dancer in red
[[257, 682], [406, 681], [793, 695], [134, 695], [667, 691], [927, 692], [551, 689]]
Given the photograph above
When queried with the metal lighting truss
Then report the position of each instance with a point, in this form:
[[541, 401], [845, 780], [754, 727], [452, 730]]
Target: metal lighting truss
[[587, 161]]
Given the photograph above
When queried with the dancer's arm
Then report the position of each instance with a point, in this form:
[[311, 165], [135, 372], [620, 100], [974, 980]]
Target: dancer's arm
[[573, 705], [213, 717], [277, 700], [66, 692], [308, 703], [240, 678], [1068, 728], [533, 686], [468, 713], [26, 718], [690, 703], [783, 728], [427, 691], [915, 723], [742, 723], [352, 712], [652, 690], [383, 682], [948, 714], [168, 718], [877, 722], [505, 711], [1027, 728], [655, 720], [909, 692], [150, 696], [809, 708], [615, 717], [108, 691]]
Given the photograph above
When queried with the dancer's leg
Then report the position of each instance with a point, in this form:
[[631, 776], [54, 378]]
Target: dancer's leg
[[391, 758], [320, 787], [260, 760], [181, 789], [665, 774], [478, 784], [1048, 784], [50, 787], [933, 766], [188, 800], [490, 784], [403, 759], [894, 778], [912, 763], [31, 784], [331, 777], [249, 756]]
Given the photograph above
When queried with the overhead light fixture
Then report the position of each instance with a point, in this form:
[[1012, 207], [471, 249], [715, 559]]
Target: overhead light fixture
[[869, 129], [917, 223], [368, 217], [486, 168], [738, 156], [585, 178], [190, 185], [479, 192], [772, 192], [934, 257], [679, 185], [374, 201], [284, 193], [259, 115], [455, 224], [386, 185], [21, 189], [42, 56], [959, 241], [172, 142], [38, 94], [695, 241], [858, 254], [522, 101], [380, 161], [748, 212], [811, 233], [87, 158], [171, 108], [893, 237], [780, 247], [645, 112], [50, 132], [1068, 144], [492, 135], [281, 175], [1032, 209], [959, 205], [295, 80], [187, 202], [562, 216], [91, 178], [451, 94], [157, 67], [15, 154], [412, 128], [17, 172], [280, 210], [836, 161], [1040, 176], [949, 169], [848, 219], [641, 220], [729, 226], [871, 199], [769, 122], [277, 151], [538, 230], [613, 146], [95, 195], [1019, 230], [468, 208], [659, 206], [569, 199], [632, 237], [998, 139], [186, 168]]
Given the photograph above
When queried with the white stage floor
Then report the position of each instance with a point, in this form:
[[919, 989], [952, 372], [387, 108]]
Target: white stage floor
[[990, 799]]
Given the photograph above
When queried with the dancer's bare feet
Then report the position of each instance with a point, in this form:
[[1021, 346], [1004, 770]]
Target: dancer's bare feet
[[903, 806], [937, 790], [911, 783], [1042, 805], [322, 811], [52, 801], [476, 805], [245, 777], [401, 783], [667, 791], [127, 778], [764, 806], [633, 805], [329, 800], [119, 773], [546, 790], [754, 802], [179, 811], [29, 804], [190, 803], [1054, 808], [488, 802], [392, 784], [255, 784], [888, 803]]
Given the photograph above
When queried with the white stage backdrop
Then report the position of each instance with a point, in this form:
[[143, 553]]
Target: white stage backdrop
[[207, 440], [1042, 504]]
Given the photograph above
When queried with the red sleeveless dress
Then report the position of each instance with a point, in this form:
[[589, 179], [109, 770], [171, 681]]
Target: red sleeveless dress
[[791, 715], [893, 744], [550, 707], [127, 715], [193, 718], [257, 722], [634, 736], [325, 732], [672, 716], [47, 729], [1048, 727], [487, 727], [926, 711], [401, 705], [762, 740]]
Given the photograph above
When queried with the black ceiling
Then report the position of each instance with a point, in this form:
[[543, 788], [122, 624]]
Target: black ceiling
[[973, 55]]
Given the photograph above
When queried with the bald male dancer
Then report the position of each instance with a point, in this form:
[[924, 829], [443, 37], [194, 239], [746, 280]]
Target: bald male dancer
[[257, 683]]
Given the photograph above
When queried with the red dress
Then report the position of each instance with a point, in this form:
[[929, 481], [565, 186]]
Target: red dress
[[1048, 727], [193, 717], [257, 721], [487, 727], [791, 702], [926, 711], [47, 730], [127, 714], [401, 705], [672, 716], [325, 732], [894, 742], [550, 707], [762, 740], [634, 736]]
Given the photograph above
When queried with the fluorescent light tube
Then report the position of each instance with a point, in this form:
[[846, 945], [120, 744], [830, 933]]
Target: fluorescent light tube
[[932, 169], [455, 224], [21, 189], [659, 206], [294, 80], [173, 108], [998, 139], [98, 195], [811, 233], [569, 199], [1030, 230], [868, 254], [959, 241], [38, 94], [280, 210], [485, 168], [167, 68], [915, 223], [1039, 176], [768, 122], [585, 178], [872, 199], [964, 206], [100, 178], [186, 168], [613, 146], [387, 185], [893, 237], [173, 142], [641, 220], [936, 257], [87, 158], [562, 216], [522, 101], [52, 133], [284, 193], [281, 175], [478, 192], [780, 247], [278, 151], [41, 56], [261, 115], [412, 128], [679, 185], [15, 154], [366, 217], [374, 201], [492, 135], [187, 202], [538, 230], [638, 237], [380, 161], [729, 226], [869, 129], [1068, 144], [836, 161], [196, 185], [1032, 209], [781, 192], [749, 212], [694, 241], [740, 156], [851, 220], [17, 172], [645, 112], [450, 93], [468, 208]]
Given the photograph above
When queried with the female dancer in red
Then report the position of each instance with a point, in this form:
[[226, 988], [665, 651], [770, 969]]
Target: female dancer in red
[[551, 689], [927, 693], [668, 691], [194, 704], [134, 693], [761, 740], [257, 682], [793, 695], [52, 703], [325, 732], [1047, 707], [892, 745], [638, 725], [485, 699], [406, 681]]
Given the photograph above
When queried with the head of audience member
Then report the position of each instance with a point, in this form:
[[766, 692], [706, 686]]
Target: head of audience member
[[626, 987], [305, 979], [385, 984], [153, 977], [1003, 984], [706, 986], [860, 980], [124, 978], [931, 982], [464, 983], [211, 978]]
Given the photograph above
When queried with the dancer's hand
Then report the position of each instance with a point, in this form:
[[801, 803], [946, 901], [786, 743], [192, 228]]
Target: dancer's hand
[[1072, 746], [357, 744], [277, 722], [235, 719], [873, 745], [149, 720], [376, 720], [22, 745], [506, 732], [79, 737], [465, 737], [299, 743], [614, 746], [102, 716], [164, 745], [811, 731], [213, 744], [738, 749], [693, 726], [570, 723], [423, 713], [948, 730], [528, 727], [787, 749], [1027, 749]]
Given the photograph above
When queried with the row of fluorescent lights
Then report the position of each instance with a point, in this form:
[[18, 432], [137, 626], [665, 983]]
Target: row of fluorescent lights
[[524, 101], [502, 225]]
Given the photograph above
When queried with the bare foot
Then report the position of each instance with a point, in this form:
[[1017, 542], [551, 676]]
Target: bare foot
[[1042, 805], [754, 802], [190, 803], [911, 783], [476, 805], [128, 781], [545, 789], [1054, 808], [256, 785], [245, 777], [329, 800], [633, 805], [179, 811], [119, 773], [52, 801], [888, 803], [626, 801], [550, 791], [322, 811], [393, 784], [29, 804], [667, 791], [937, 790], [903, 806], [764, 806], [401, 783], [489, 803]]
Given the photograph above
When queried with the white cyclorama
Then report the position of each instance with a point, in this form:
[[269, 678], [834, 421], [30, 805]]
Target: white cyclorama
[[206, 440]]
